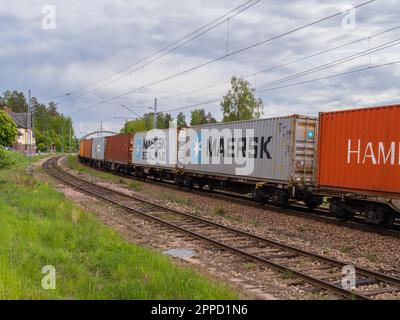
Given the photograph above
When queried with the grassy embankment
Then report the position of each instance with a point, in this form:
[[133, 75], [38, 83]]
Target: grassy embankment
[[39, 227]]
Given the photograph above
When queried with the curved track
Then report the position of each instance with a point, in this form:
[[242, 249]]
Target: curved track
[[322, 272], [293, 210]]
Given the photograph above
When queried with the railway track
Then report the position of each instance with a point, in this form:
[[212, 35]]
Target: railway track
[[293, 210], [322, 272]]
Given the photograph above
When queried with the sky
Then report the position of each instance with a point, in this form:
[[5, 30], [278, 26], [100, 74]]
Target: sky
[[56, 48]]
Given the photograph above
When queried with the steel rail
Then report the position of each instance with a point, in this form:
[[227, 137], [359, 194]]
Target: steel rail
[[308, 278], [297, 211]]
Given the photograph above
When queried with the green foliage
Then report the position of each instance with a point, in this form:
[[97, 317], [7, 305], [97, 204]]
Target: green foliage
[[14, 100], [219, 211], [181, 120], [51, 127], [39, 227], [240, 102], [200, 117], [146, 123], [8, 129], [5, 160]]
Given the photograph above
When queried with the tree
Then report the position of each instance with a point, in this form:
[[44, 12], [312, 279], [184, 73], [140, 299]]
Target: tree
[[15, 100], [8, 129], [167, 119], [137, 125], [181, 120], [200, 117], [240, 103], [51, 127], [210, 119]]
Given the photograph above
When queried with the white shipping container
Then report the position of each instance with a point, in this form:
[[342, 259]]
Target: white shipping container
[[156, 148], [98, 148], [280, 150]]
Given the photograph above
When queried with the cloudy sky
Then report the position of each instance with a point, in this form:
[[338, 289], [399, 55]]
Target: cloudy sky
[[95, 39]]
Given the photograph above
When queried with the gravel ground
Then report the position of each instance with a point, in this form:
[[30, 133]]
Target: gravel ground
[[363, 248], [353, 246]]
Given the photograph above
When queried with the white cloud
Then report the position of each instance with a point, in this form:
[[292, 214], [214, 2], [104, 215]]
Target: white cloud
[[96, 38]]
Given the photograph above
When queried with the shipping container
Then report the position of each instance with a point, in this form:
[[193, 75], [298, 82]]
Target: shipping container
[[280, 150], [85, 149], [98, 148], [359, 150], [155, 148], [119, 149]]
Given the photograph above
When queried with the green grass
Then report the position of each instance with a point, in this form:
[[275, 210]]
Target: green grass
[[219, 212], [74, 164], [39, 227]]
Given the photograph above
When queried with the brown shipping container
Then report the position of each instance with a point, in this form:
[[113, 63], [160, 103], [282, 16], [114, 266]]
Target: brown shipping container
[[119, 148], [360, 150], [85, 149], [81, 148]]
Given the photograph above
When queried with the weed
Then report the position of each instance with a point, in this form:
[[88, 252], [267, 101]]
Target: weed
[[219, 212]]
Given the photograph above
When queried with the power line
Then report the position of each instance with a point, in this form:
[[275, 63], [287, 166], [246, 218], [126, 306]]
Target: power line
[[220, 58], [333, 76], [341, 61], [297, 84], [243, 7], [316, 69], [333, 64], [283, 64]]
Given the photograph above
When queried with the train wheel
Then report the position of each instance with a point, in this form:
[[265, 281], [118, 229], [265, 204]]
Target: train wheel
[[279, 199], [256, 196], [379, 216], [188, 183], [337, 208], [312, 203], [178, 182], [388, 220]]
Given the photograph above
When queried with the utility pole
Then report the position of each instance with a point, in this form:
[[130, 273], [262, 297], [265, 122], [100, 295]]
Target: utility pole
[[70, 138], [29, 128], [155, 114], [62, 139], [101, 129]]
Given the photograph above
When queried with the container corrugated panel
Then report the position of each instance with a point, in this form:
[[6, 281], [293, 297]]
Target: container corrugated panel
[[360, 149], [98, 148], [276, 149], [87, 149], [156, 148], [82, 148], [119, 148]]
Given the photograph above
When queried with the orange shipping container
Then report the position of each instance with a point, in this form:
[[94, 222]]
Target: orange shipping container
[[85, 149], [360, 150], [119, 148]]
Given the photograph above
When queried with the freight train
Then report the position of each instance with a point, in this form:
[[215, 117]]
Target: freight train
[[351, 158]]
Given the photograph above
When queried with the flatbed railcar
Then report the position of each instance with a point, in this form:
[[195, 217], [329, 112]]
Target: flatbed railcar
[[294, 158]]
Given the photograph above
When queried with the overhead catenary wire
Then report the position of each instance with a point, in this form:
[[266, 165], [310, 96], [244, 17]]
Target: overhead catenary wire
[[220, 58], [295, 84], [262, 87], [192, 36], [314, 70], [361, 54], [372, 67], [280, 65]]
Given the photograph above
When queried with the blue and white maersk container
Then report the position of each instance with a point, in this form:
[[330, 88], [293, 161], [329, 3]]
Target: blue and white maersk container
[[156, 148], [280, 150]]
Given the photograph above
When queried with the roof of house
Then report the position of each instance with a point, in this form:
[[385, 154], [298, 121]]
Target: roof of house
[[21, 119]]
